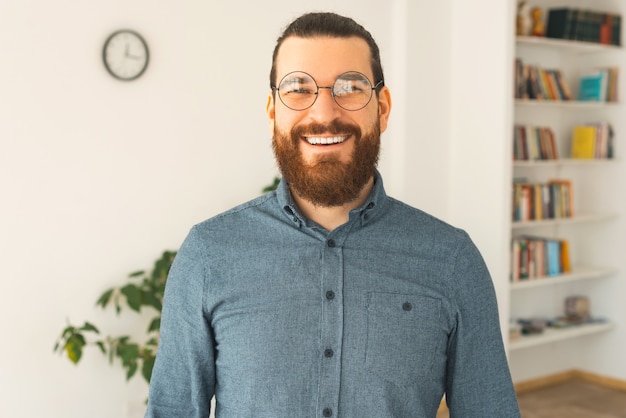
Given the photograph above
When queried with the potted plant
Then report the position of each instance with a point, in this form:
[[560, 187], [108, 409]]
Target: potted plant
[[143, 290]]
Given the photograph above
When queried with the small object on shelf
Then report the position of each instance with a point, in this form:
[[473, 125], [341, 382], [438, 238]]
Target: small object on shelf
[[577, 309], [533, 326], [523, 23], [538, 25]]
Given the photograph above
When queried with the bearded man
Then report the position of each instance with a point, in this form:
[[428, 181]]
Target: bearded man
[[326, 297]]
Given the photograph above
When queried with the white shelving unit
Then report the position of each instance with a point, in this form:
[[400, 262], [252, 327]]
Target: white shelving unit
[[578, 273], [554, 335], [564, 54]]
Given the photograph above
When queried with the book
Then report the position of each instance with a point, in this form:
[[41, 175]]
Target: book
[[533, 143], [538, 257], [584, 142], [593, 86], [559, 23], [583, 25]]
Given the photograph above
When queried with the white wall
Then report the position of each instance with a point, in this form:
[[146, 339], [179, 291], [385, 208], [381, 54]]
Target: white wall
[[98, 176], [481, 92]]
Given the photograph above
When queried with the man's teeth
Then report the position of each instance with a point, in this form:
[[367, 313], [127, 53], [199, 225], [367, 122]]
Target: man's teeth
[[325, 140]]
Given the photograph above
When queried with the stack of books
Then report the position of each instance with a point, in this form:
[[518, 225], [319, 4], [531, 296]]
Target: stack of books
[[584, 25], [539, 201], [599, 85], [533, 82], [535, 258], [592, 141], [533, 143]]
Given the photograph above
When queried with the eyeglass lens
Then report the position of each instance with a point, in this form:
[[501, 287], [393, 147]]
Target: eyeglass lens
[[351, 91]]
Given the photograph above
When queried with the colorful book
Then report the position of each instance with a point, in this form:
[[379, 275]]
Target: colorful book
[[593, 86], [584, 142]]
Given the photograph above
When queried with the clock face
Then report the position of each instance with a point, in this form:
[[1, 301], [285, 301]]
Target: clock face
[[125, 55]]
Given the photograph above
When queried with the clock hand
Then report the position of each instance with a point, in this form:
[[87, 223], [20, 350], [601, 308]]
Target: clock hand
[[126, 54]]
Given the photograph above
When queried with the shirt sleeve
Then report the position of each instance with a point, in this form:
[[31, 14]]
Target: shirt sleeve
[[183, 377], [478, 378]]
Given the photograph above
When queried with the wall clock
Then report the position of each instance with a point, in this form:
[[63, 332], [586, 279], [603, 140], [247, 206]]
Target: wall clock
[[125, 55]]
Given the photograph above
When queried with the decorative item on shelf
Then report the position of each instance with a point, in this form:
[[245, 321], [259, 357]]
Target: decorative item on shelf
[[523, 23], [577, 309], [584, 25], [538, 25], [533, 326]]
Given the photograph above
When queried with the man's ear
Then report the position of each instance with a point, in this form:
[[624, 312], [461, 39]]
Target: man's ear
[[270, 109], [384, 107]]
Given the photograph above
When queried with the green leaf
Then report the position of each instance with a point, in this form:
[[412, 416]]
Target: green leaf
[[137, 273], [74, 347], [69, 330], [146, 368], [155, 325], [272, 186], [102, 347], [151, 299], [133, 296], [104, 299], [128, 353], [89, 327], [132, 369]]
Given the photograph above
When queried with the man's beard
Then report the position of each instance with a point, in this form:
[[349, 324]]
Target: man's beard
[[327, 181]]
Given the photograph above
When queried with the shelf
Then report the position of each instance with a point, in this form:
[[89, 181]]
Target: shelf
[[585, 218], [551, 335], [564, 104], [566, 45], [578, 273], [562, 162]]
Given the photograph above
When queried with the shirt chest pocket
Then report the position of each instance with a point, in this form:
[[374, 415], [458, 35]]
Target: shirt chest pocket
[[405, 337]]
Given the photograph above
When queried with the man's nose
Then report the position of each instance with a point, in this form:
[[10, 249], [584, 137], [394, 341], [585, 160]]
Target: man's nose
[[325, 106]]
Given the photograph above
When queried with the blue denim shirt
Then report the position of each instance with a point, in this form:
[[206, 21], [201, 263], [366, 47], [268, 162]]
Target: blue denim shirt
[[279, 318]]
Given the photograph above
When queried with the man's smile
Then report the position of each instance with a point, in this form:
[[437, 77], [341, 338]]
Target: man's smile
[[322, 140]]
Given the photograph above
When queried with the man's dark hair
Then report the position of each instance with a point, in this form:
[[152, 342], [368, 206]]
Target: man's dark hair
[[332, 25]]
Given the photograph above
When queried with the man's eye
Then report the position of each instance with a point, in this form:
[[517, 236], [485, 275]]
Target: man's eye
[[300, 90]]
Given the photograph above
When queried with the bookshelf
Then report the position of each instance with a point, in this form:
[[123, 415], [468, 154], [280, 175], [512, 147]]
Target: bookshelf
[[594, 210], [555, 335]]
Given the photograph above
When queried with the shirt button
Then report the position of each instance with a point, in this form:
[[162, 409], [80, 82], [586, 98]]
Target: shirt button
[[366, 216], [407, 306], [327, 412], [328, 353], [330, 295], [331, 243]]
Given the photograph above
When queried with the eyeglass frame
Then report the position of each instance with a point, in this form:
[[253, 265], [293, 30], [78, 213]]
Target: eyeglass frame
[[379, 84]]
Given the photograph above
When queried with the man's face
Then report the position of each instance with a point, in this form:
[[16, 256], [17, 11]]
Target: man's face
[[327, 174]]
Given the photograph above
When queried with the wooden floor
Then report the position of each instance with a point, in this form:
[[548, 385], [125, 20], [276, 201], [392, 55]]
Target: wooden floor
[[571, 399]]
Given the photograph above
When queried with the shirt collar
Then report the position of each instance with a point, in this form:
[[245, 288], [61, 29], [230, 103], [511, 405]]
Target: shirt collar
[[366, 212]]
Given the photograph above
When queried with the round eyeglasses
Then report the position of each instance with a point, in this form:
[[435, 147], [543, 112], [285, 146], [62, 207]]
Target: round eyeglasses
[[351, 91]]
